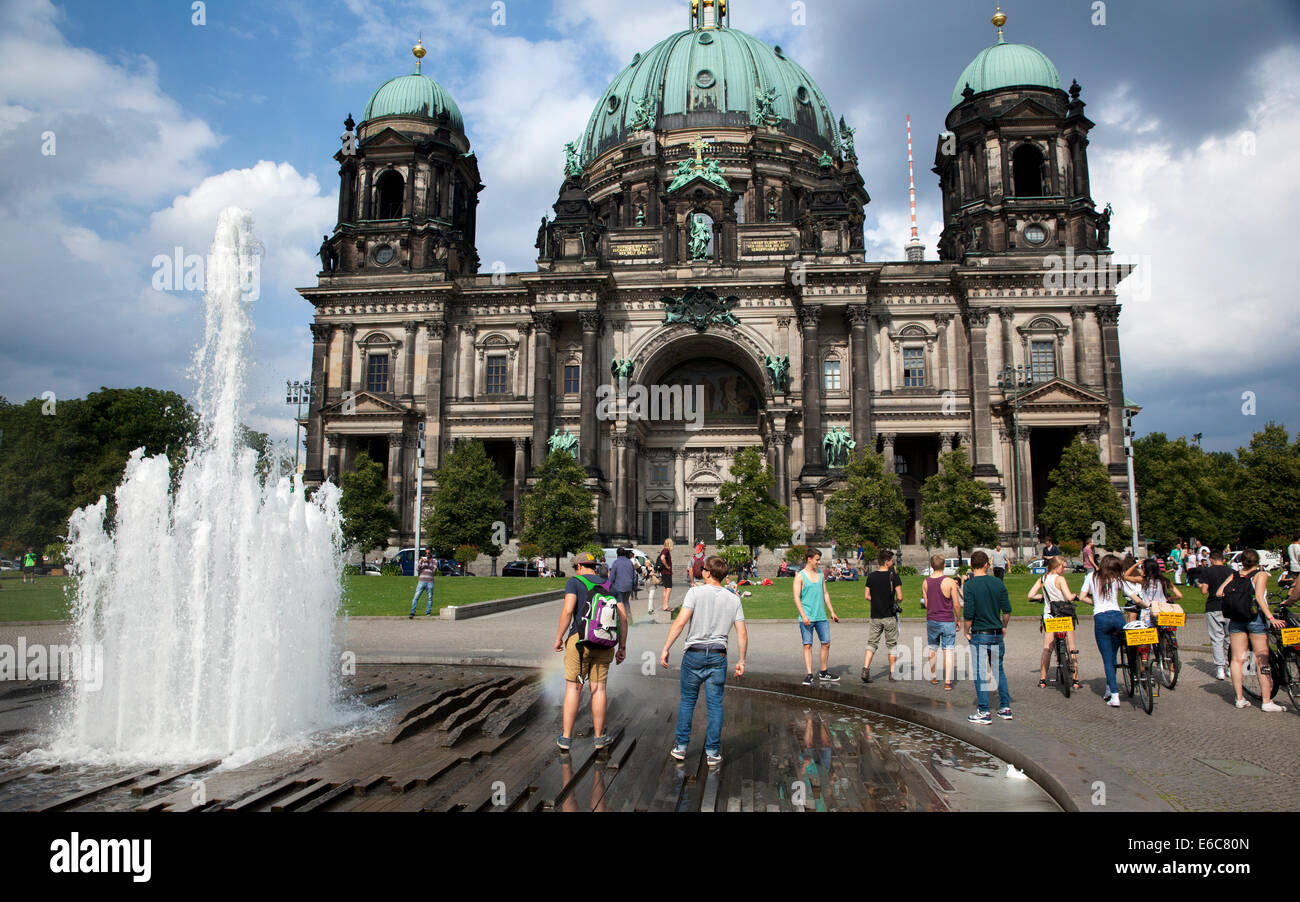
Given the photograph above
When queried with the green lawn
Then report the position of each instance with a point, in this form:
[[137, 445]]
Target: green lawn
[[362, 595]]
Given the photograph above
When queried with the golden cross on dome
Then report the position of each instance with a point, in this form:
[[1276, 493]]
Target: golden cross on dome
[[698, 146]]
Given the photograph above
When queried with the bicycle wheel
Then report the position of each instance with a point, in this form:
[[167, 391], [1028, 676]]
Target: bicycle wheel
[[1250, 679], [1129, 657], [1166, 656], [1292, 671], [1145, 678], [1063, 675]]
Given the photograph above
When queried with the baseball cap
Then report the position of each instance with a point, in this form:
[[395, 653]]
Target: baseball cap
[[586, 558]]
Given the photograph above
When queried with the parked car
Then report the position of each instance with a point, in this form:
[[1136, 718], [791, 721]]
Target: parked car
[[638, 557], [525, 568], [373, 569], [950, 566], [1268, 560], [8, 565]]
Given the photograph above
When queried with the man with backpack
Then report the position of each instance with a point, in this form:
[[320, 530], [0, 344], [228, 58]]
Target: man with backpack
[[592, 625]]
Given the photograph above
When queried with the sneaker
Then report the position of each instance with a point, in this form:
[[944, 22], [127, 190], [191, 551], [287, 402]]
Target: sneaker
[[827, 677], [1219, 674], [712, 758], [1114, 700], [1271, 707], [1242, 703], [866, 676], [980, 717], [679, 752], [808, 680], [565, 743], [1005, 714], [601, 741]]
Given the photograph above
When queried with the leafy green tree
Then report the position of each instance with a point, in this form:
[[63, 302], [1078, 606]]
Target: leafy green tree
[[870, 507], [1267, 493], [558, 511], [1081, 495], [736, 556], [367, 518], [746, 512], [1182, 492], [956, 508], [467, 503]]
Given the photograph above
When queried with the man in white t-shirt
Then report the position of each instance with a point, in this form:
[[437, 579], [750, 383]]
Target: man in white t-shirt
[[1293, 557], [709, 611]]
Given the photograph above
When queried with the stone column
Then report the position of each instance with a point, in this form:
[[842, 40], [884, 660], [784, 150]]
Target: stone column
[[679, 482], [408, 378], [434, 330], [982, 451], [1006, 315], [887, 439], [395, 478], [1078, 318], [587, 434], [941, 321], [625, 512], [1026, 496], [859, 321], [320, 346], [345, 371], [885, 346], [1108, 316], [543, 395], [521, 466], [521, 374], [332, 466], [465, 362], [809, 320], [783, 467]]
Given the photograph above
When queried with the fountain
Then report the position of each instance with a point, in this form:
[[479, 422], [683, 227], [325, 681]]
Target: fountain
[[213, 598]]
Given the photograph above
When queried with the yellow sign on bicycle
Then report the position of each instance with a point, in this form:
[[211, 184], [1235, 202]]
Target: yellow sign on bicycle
[[1059, 624], [1291, 635], [1172, 618], [1140, 637]]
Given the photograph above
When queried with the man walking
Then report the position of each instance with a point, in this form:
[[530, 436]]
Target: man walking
[[708, 614], [813, 602], [1089, 558], [999, 562], [585, 664], [885, 594], [425, 569], [622, 580], [29, 566], [1216, 624], [987, 610]]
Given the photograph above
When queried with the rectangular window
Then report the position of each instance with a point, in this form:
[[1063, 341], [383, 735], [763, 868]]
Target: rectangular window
[[496, 374], [913, 367], [377, 373], [660, 473], [831, 375], [1042, 361], [572, 379]]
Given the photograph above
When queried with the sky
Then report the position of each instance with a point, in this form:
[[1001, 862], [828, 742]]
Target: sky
[[127, 125]]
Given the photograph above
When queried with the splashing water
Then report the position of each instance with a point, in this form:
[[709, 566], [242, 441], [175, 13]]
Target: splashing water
[[213, 601]]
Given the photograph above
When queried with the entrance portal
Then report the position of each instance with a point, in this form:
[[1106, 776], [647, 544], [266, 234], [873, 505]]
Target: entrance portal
[[704, 528]]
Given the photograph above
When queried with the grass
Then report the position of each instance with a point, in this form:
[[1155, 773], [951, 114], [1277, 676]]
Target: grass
[[362, 595]]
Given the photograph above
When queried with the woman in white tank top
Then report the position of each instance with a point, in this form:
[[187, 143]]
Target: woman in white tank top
[[1053, 588]]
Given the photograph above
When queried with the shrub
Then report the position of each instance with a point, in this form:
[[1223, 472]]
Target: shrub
[[1017, 569], [466, 555], [56, 553], [1071, 548], [352, 570], [963, 570], [530, 550], [736, 556], [909, 570], [796, 554], [390, 570]]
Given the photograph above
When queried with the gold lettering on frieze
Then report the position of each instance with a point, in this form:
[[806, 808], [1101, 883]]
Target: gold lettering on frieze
[[630, 249], [767, 246]]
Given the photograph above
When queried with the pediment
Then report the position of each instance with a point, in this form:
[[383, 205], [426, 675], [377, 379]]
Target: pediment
[[389, 137], [1060, 392], [1029, 108], [363, 402], [659, 497]]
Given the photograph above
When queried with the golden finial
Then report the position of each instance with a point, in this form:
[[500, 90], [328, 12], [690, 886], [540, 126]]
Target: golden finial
[[418, 52], [999, 19]]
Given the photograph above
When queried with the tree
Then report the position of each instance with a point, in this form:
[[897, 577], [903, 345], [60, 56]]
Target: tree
[[1181, 492], [746, 512], [1267, 492], [467, 504], [870, 507], [1082, 495], [558, 515], [367, 518], [956, 508]]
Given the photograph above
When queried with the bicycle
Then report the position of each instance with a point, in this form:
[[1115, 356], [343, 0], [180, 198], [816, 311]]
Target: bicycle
[[1137, 664], [1283, 656], [1065, 666], [1167, 659]]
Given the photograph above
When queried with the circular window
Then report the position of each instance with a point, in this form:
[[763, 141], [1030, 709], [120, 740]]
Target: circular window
[[612, 106], [780, 54], [802, 94], [1035, 233], [706, 38], [384, 254], [704, 79]]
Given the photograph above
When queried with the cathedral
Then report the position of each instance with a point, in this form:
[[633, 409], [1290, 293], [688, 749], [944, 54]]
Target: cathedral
[[703, 287]]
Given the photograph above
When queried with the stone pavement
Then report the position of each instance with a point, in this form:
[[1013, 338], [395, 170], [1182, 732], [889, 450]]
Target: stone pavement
[[1196, 752]]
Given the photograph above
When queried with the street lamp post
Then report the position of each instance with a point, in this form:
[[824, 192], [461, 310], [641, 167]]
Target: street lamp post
[[297, 394], [1014, 382], [1132, 487]]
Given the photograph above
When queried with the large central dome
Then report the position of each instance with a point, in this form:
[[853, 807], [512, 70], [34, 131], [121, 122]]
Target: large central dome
[[704, 77]]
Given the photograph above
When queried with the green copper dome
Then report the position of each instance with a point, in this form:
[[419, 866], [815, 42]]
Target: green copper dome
[[413, 95], [710, 77], [1006, 66]]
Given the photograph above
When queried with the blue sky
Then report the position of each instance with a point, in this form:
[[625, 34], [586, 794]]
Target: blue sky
[[159, 123]]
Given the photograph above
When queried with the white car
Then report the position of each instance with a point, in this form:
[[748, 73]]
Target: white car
[[950, 566], [638, 557], [1268, 560]]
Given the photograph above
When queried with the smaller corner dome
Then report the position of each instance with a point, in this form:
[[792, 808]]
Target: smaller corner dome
[[1007, 66], [413, 95]]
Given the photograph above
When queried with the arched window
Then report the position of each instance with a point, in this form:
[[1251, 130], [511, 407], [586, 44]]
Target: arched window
[[1027, 171], [390, 189]]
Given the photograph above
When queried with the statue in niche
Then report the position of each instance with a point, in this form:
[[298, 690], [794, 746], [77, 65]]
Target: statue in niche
[[700, 235]]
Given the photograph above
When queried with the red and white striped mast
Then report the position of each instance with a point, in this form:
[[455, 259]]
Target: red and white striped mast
[[915, 249]]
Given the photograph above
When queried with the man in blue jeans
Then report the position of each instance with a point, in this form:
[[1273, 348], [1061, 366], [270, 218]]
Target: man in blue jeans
[[987, 611], [709, 611], [622, 580]]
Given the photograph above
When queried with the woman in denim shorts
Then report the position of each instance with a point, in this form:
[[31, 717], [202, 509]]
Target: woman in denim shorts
[[1246, 636]]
